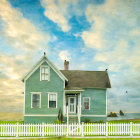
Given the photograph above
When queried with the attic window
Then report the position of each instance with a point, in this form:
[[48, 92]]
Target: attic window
[[44, 73]]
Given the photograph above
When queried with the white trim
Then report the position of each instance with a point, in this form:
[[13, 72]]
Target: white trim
[[42, 60], [80, 103], [40, 115], [66, 91], [48, 72], [106, 101], [83, 103], [48, 99], [93, 115], [73, 103], [32, 97], [24, 98]]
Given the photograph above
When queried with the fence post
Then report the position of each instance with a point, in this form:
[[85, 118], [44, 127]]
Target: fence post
[[106, 128], [131, 125], [82, 129], [42, 129], [17, 130]]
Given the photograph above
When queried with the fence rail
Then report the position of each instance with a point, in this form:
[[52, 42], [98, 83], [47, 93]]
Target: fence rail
[[102, 129]]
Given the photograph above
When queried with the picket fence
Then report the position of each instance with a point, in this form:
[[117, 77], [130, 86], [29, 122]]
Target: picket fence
[[84, 129]]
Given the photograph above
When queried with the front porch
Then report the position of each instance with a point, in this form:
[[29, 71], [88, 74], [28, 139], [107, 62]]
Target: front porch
[[72, 105]]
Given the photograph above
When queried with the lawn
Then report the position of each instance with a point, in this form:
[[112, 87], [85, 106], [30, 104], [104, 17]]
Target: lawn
[[65, 138], [125, 121], [113, 121]]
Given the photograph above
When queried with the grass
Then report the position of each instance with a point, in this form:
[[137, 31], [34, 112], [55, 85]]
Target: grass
[[125, 121], [64, 138], [13, 122], [112, 121]]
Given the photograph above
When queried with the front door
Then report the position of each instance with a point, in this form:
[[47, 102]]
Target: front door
[[72, 104]]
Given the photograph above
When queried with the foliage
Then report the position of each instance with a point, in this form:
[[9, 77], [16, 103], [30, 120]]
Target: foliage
[[112, 114], [87, 120]]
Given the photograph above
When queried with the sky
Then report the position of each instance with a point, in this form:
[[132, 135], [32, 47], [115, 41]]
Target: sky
[[92, 34]]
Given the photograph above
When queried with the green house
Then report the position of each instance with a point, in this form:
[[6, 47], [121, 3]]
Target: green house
[[80, 95]]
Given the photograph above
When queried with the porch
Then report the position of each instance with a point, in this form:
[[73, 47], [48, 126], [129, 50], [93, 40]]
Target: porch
[[72, 105]]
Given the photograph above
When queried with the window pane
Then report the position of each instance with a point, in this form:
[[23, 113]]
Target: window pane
[[86, 103], [54, 97], [46, 70], [50, 97], [52, 104], [72, 100], [45, 76], [36, 100], [42, 77], [42, 70]]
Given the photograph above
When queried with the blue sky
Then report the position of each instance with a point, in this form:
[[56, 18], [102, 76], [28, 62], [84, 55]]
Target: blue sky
[[91, 34]]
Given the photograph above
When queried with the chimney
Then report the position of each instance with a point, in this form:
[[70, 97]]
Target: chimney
[[66, 65]]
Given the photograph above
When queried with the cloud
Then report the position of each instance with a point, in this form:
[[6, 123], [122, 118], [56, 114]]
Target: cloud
[[57, 12], [20, 32], [25, 40], [114, 36], [64, 55]]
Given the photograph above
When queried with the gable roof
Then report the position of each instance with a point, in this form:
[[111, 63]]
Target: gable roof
[[78, 79], [40, 62]]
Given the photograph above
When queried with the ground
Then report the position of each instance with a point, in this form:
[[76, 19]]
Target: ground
[[63, 138]]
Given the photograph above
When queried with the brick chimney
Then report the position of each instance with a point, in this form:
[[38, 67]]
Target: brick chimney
[[66, 65]]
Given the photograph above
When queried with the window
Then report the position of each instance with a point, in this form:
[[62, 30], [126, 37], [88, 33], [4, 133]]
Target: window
[[44, 73], [52, 100], [35, 100], [86, 103]]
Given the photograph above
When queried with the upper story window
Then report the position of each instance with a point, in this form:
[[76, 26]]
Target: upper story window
[[52, 100], [86, 101], [36, 100], [44, 73]]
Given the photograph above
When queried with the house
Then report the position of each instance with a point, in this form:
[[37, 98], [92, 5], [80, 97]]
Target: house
[[81, 95]]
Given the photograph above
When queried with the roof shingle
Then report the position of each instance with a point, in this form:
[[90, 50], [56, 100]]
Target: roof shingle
[[78, 79]]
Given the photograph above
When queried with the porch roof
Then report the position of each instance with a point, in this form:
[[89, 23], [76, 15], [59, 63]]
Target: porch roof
[[78, 79]]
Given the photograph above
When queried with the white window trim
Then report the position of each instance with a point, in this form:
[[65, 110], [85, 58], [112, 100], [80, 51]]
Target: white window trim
[[48, 72], [48, 99], [32, 98], [83, 103]]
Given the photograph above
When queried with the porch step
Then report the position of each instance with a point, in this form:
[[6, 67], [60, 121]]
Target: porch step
[[73, 119]]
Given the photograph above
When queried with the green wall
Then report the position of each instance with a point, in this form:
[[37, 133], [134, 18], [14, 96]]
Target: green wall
[[97, 101], [33, 84]]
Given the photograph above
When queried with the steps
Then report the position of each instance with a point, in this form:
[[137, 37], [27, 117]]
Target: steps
[[73, 119]]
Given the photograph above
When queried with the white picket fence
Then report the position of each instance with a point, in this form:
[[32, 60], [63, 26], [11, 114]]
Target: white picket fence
[[84, 129]]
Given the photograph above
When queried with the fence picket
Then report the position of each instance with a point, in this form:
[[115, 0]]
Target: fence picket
[[70, 129]]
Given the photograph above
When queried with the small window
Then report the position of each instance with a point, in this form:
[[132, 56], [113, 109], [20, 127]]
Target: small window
[[35, 100], [44, 73], [86, 103], [52, 100]]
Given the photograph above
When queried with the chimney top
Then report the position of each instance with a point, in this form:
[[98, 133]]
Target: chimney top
[[66, 65]]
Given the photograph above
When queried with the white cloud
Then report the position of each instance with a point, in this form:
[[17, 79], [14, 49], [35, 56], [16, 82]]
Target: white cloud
[[114, 36], [64, 55], [19, 31], [57, 12], [24, 40]]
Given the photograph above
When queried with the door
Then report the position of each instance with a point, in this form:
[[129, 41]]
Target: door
[[72, 104]]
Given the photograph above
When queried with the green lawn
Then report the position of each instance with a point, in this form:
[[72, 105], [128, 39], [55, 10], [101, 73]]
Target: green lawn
[[113, 121], [63, 138], [125, 121]]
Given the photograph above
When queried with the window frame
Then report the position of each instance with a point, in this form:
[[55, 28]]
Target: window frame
[[83, 103], [32, 93], [49, 93], [44, 66]]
